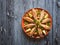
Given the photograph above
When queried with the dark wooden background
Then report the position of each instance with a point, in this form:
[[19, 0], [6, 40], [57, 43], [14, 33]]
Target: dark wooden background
[[11, 12]]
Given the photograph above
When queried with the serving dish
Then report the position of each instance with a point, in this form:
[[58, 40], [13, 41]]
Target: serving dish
[[36, 23]]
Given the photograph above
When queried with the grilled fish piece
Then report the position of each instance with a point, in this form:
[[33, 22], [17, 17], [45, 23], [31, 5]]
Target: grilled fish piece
[[42, 15], [46, 20], [40, 33], [29, 25], [32, 31], [45, 26], [28, 19], [34, 13]]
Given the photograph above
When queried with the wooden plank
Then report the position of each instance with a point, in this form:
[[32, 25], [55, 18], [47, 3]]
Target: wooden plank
[[27, 4], [54, 21], [49, 5], [6, 25], [3, 12], [0, 22], [19, 36], [41, 4], [58, 24], [0, 11], [0, 19]]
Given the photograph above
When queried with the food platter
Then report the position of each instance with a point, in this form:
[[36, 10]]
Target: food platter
[[36, 23]]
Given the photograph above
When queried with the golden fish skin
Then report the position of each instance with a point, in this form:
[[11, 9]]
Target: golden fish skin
[[42, 15], [29, 25], [32, 31], [34, 14], [45, 26], [46, 20], [28, 19]]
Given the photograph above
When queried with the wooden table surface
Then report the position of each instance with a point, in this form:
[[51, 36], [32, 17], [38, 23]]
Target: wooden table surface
[[11, 12]]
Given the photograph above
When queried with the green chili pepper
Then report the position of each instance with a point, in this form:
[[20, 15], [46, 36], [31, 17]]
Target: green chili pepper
[[25, 22], [41, 27], [48, 23]]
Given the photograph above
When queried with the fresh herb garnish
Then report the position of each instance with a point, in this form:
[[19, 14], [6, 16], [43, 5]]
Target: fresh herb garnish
[[48, 23], [25, 22]]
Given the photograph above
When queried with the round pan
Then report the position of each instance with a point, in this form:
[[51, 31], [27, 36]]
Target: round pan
[[31, 10]]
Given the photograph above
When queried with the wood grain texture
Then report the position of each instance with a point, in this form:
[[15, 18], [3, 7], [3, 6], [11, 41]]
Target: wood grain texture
[[49, 5], [58, 23], [14, 34], [3, 14], [22, 6], [54, 20]]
